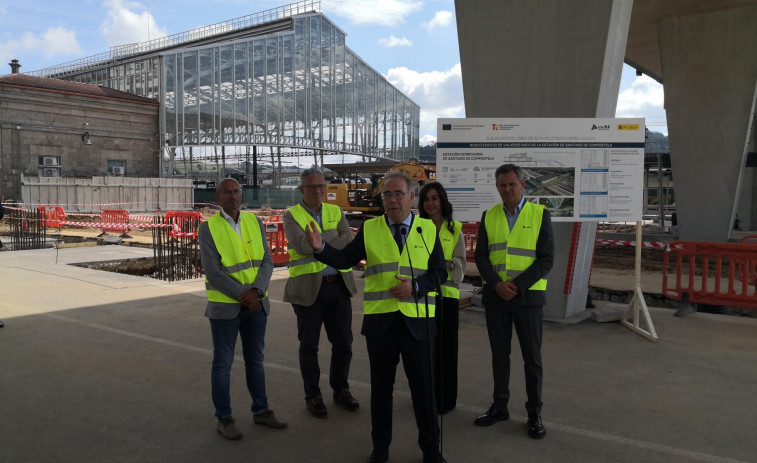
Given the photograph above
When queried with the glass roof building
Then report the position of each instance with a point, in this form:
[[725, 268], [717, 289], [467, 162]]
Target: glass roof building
[[283, 77]]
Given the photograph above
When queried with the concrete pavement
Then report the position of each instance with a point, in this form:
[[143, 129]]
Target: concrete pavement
[[97, 366]]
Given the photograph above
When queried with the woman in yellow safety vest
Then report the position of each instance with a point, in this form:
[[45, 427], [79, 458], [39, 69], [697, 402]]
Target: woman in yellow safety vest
[[433, 204]]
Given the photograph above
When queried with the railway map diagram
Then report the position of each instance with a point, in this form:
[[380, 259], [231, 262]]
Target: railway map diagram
[[580, 169]]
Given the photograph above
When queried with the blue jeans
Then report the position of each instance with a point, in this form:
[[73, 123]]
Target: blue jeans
[[251, 328]]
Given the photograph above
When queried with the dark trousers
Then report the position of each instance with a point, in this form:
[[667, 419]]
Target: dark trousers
[[332, 309], [500, 319], [447, 323], [384, 354]]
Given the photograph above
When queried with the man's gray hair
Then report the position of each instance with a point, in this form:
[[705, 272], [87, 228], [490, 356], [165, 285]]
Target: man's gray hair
[[308, 172], [506, 169], [401, 175]]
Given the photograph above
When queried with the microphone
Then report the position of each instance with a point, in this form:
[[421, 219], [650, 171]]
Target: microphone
[[403, 232], [436, 275], [438, 304]]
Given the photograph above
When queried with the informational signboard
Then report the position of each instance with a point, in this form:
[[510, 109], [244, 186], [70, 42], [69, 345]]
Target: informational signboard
[[580, 169]]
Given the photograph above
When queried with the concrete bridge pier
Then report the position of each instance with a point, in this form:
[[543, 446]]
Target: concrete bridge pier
[[549, 58], [710, 77]]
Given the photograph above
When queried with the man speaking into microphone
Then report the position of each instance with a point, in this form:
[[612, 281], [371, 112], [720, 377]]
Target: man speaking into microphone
[[404, 263]]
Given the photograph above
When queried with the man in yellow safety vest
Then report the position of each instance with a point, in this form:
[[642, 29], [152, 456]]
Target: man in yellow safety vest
[[404, 261], [319, 294], [238, 266], [514, 252]]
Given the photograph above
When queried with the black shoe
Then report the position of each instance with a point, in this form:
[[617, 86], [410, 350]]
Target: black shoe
[[434, 457], [492, 416], [345, 399], [316, 406], [378, 457], [536, 428], [2, 324]]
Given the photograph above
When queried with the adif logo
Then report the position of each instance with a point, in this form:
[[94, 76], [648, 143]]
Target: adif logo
[[600, 127]]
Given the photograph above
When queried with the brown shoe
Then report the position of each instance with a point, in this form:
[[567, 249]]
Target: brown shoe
[[227, 427], [345, 399], [269, 418]]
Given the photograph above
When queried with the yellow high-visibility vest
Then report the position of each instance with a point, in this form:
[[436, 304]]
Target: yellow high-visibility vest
[[449, 241], [384, 261], [300, 264], [512, 252], [240, 257]]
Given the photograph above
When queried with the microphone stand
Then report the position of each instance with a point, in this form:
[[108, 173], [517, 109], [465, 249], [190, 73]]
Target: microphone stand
[[439, 298]]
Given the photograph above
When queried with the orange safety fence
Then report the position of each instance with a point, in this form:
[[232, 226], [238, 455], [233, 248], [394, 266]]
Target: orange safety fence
[[470, 235], [118, 217], [52, 216], [277, 242], [711, 273], [184, 223]]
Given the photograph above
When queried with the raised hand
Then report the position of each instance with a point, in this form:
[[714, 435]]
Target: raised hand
[[314, 236]]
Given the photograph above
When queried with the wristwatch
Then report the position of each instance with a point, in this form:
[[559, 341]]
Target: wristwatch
[[260, 293]]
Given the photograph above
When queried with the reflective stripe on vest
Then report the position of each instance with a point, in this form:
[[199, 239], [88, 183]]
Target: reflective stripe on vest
[[449, 241], [241, 258], [300, 264], [384, 261], [512, 252]]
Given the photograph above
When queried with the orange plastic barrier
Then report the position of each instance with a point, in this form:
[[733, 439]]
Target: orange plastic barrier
[[711, 273], [277, 242], [470, 235], [52, 216], [184, 223], [748, 238], [118, 217]]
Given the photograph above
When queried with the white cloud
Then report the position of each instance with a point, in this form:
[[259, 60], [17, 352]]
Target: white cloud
[[125, 24], [438, 93], [644, 98], [382, 12], [55, 41], [441, 19], [393, 41], [644, 93]]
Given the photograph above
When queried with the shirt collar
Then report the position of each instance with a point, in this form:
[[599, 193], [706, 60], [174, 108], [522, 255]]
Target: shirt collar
[[312, 212], [407, 222], [226, 216], [517, 208]]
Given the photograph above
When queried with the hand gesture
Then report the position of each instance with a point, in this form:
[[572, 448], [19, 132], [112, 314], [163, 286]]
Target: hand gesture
[[314, 236], [506, 290], [250, 300], [403, 289]]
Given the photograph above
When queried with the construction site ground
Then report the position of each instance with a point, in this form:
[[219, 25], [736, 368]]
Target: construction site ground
[[101, 366]]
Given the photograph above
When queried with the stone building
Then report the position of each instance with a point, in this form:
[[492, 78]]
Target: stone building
[[56, 128]]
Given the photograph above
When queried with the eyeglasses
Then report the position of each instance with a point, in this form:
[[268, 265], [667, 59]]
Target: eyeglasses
[[315, 187], [231, 192], [398, 195]]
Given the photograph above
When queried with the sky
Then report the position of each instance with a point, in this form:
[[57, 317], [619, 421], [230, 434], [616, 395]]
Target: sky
[[413, 43]]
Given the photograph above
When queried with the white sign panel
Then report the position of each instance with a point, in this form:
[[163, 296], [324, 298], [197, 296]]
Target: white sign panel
[[580, 169]]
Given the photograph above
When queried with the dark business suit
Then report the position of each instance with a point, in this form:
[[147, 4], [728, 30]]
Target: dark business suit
[[391, 335], [525, 311]]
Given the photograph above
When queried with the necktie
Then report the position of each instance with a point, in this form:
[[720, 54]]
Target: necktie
[[398, 235]]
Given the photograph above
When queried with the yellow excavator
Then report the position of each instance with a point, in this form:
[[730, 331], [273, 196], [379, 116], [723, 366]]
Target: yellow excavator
[[366, 197]]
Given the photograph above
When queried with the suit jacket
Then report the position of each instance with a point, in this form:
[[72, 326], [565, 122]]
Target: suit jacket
[[376, 324], [303, 290], [211, 263], [545, 252]]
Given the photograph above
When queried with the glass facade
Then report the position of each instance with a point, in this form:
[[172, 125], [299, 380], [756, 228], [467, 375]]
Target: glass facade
[[301, 87], [140, 77]]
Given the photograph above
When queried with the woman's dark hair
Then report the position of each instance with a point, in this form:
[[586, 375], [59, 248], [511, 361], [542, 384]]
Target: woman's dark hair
[[445, 204]]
